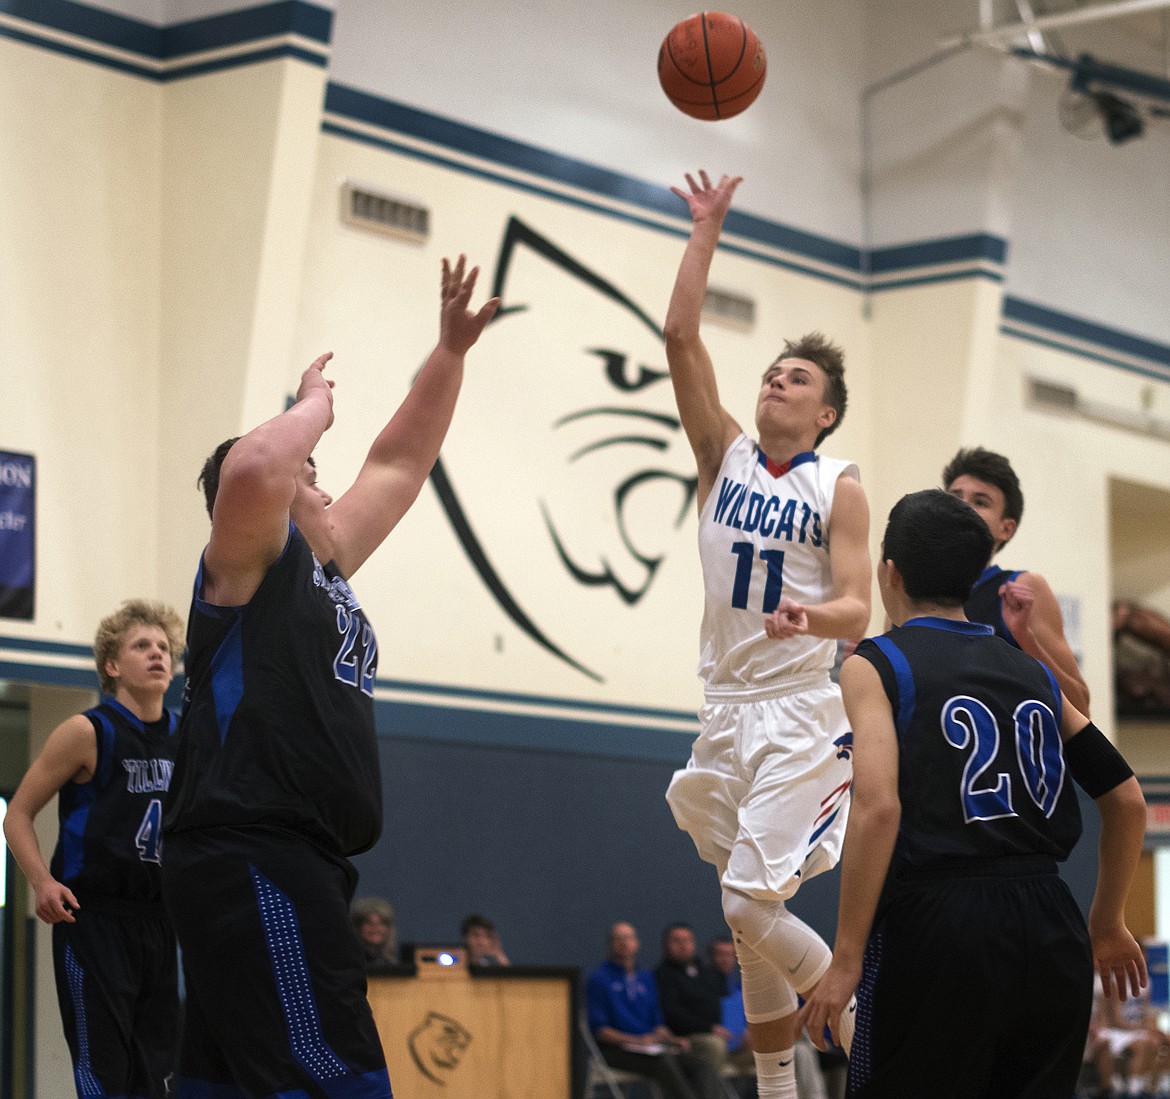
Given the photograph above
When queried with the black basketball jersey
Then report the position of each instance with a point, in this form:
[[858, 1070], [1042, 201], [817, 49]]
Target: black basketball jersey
[[981, 770], [278, 713], [110, 835], [984, 604]]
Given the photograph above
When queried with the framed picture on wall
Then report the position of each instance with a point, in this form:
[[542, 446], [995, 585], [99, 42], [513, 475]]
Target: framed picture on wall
[[18, 568]]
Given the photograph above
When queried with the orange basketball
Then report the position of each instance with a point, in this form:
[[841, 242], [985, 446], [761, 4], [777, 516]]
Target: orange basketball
[[711, 65]]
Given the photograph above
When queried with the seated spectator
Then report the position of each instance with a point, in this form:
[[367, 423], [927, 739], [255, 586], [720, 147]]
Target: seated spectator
[[625, 1017], [691, 992], [1124, 1043], [481, 941], [376, 929]]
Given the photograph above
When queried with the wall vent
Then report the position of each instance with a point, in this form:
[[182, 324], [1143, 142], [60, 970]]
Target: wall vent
[[1057, 397], [733, 310], [379, 212], [1053, 395]]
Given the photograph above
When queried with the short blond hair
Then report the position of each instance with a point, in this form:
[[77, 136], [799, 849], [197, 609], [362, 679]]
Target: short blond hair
[[112, 630]]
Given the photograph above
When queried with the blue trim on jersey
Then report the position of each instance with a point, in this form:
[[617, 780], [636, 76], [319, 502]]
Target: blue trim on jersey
[[952, 625], [294, 986], [73, 833], [904, 677], [817, 834], [85, 795], [129, 715], [105, 749], [83, 1077], [227, 676]]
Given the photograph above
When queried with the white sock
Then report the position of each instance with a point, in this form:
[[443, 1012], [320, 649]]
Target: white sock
[[776, 1075], [846, 1023]]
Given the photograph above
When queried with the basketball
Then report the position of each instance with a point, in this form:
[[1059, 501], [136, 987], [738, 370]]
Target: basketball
[[711, 66]]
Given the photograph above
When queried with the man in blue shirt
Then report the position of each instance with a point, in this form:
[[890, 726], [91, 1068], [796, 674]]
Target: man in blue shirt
[[625, 1017]]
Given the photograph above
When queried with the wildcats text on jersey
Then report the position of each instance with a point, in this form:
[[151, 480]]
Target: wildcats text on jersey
[[773, 516]]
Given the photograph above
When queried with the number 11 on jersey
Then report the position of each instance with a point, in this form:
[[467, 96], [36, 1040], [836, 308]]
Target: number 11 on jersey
[[773, 586]]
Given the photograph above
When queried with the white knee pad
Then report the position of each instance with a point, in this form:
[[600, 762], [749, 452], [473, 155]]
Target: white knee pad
[[765, 995], [796, 953]]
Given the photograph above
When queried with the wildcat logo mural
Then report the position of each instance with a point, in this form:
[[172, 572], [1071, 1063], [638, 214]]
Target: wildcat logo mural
[[584, 476]]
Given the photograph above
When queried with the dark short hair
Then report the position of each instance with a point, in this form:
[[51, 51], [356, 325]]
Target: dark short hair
[[995, 469], [938, 544], [209, 475], [815, 347], [208, 479], [475, 920], [678, 925]]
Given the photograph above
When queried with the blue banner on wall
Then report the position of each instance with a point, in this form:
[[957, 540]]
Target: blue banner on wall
[[18, 563]]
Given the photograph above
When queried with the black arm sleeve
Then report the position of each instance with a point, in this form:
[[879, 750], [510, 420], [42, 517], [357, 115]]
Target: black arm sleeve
[[1094, 763]]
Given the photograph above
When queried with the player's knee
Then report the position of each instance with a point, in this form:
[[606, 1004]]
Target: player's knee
[[748, 917]]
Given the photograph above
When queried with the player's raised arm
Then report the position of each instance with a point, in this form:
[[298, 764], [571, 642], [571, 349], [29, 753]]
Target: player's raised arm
[[401, 457], [874, 815], [1102, 772], [256, 486], [1031, 612], [69, 754], [709, 427]]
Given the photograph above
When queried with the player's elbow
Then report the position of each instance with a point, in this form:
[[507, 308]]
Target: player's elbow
[[857, 621], [875, 812], [680, 334], [1127, 802]]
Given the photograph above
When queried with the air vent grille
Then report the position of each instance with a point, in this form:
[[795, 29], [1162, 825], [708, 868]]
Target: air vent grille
[[379, 212], [1054, 395], [730, 309]]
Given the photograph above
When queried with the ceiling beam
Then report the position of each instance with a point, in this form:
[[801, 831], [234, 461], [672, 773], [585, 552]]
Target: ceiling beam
[[997, 35]]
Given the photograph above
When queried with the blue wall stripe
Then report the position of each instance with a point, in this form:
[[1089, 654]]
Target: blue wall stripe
[[1057, 345], [93, 23], [512, 730], [927, 253], [444, 691], [372, 110], [218, 64], [680, 231], [163, 43], [35, 645], [53, 677], [946, 276], [267, 21], [1066, 324], [79, 54]]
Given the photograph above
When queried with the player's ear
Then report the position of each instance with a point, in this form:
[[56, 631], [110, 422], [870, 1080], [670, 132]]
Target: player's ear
[[827, 417], [1007, 528]]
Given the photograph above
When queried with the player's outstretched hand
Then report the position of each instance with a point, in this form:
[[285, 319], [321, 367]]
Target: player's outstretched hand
[[826, 1002], [788, 620], [55, 903], [708, 203], [314, 381], [459, 328], [1016, 606], [1119, 959]]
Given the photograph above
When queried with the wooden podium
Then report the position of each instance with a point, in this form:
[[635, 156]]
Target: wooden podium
[[484, 1032]]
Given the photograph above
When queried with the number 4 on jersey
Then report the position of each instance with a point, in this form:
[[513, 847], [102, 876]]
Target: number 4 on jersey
[[148, 839]]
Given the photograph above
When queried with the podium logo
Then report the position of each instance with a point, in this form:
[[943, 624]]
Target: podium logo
[[437, 1046]]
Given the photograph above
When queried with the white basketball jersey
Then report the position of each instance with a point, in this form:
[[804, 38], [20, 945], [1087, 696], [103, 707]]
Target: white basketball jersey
[[763, 533]]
